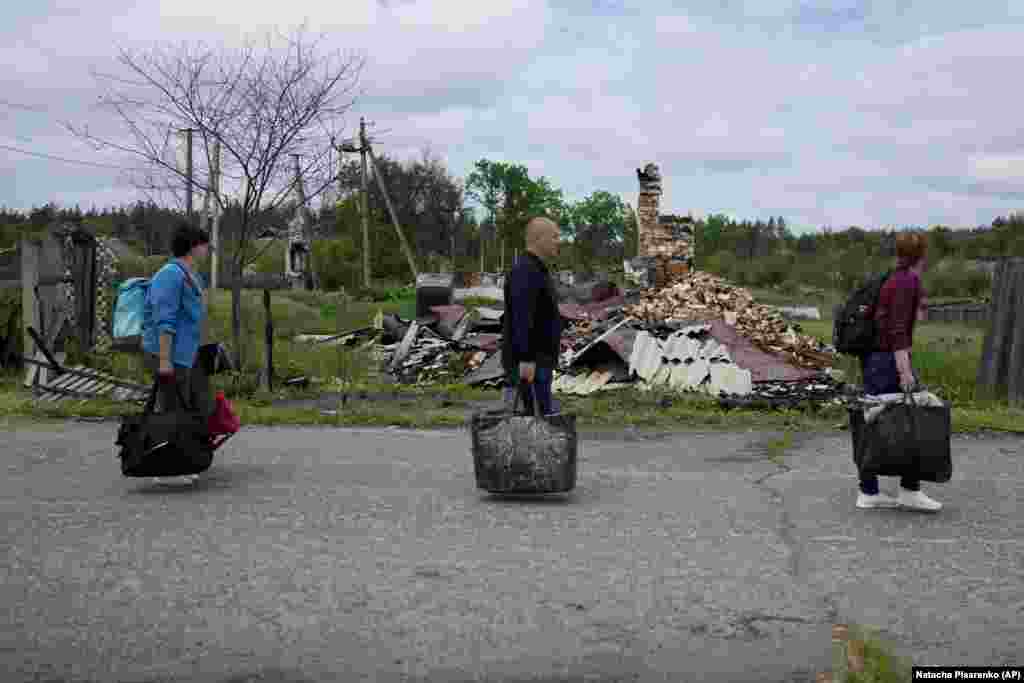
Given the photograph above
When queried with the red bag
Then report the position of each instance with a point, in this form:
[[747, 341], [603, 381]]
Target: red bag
[[224, 420]]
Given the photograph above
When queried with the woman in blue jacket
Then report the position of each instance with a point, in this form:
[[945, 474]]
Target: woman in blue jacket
[[172, 326]]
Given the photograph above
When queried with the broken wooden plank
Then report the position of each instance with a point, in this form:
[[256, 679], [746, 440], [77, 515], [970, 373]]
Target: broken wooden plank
[[88, 389], [84, 383], [463, 327], [406, 346], [69, 381]]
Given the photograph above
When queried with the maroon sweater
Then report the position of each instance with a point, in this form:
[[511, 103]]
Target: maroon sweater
[[896, 312]]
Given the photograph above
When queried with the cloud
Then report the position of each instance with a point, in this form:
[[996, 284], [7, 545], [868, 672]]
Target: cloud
[[824, 111], [1002, 168]]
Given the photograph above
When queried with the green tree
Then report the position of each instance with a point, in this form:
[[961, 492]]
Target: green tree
[[598, 228], [511, 197], [486, 184]]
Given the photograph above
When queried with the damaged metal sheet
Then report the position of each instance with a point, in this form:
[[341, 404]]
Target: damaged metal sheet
[[729, 379], [645, 359], [491, 371], [689, 360], [462, 329], [573, 312], [406, 346], [599, 339], [349, 338], [450, 312], [763, 366], [490, 315], [484, 342]]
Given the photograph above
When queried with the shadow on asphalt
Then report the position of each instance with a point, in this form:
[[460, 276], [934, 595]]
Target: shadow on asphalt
[[554, 499], [223, 477]]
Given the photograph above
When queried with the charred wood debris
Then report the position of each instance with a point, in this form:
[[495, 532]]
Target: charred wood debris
[[699, 334]]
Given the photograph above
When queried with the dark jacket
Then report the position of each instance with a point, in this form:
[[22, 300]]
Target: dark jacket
[[532, 325], [896, 311]]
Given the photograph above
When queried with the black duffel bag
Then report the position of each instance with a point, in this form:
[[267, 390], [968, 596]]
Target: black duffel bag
[[904, 439], [515, 452], [170, 444]]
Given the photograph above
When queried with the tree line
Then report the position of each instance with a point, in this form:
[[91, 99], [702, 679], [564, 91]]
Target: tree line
[[432, 207]]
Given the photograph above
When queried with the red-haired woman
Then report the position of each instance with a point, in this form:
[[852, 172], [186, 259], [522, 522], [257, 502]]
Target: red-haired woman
[[888, 370]]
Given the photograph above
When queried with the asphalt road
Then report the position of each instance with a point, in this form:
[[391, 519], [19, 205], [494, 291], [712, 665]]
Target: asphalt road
[[326, 555]]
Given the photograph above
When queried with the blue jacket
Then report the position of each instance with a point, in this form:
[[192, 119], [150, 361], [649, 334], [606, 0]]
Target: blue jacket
[[174, 306], [532, 323]]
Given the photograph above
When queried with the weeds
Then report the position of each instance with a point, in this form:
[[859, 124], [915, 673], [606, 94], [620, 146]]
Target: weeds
[[777, 448], [860, 655]]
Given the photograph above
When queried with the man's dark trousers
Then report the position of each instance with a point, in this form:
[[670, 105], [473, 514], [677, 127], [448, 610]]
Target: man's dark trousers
[[542, 381]]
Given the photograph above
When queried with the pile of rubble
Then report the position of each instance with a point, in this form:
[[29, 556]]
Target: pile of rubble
[[700, 334], [702, 294]]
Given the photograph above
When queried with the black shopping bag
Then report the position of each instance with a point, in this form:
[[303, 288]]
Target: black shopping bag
[[214, 359], [905, 439], [514, 452], [169, 444]]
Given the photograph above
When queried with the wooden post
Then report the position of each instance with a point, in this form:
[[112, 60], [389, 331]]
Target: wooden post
[[188, 172], [364, 202], [215, 221], [394, 217], [268, 372], [29, 309], [1002, 360], [307, 225]]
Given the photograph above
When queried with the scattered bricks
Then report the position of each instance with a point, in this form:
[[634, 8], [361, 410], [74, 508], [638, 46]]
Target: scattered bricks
[[855, 655], [702, 294]]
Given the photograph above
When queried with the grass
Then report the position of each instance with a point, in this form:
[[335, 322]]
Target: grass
[[946, 357], [864, 657], [777, 448]]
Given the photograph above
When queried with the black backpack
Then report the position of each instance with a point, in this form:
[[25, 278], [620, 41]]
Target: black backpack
[[854, 331]]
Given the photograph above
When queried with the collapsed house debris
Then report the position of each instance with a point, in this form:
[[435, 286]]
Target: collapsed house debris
[[681, 330], [703, 294], [700, 334]]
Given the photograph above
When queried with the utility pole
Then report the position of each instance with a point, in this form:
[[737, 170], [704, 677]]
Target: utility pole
[[215, 218], [364, 207], [188, 172], [307, 228], [366, 151], [391, 210], [364, 201]]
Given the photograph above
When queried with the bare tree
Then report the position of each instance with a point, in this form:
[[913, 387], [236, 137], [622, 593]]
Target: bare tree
[[261, 104]]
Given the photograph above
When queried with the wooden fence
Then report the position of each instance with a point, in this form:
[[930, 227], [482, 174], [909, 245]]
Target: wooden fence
[[967, 314], [1002, 360]]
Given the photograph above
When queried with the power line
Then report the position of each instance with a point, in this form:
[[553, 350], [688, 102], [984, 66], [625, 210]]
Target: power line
[[56, 158], [26, 108]]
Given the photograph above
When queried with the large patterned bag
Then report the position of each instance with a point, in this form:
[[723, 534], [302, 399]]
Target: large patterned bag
[[515, 452]]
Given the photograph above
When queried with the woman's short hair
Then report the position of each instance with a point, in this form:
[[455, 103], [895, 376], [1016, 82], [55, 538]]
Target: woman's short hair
[[186, 238], [910, 248]]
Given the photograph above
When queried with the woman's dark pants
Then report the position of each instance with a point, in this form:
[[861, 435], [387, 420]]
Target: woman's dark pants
[[192, 383]]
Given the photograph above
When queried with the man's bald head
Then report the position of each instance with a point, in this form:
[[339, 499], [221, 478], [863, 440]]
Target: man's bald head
[[542, 236]]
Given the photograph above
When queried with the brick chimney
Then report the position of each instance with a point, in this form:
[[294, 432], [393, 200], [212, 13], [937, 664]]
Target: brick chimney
[[665, 245], [648, 208]]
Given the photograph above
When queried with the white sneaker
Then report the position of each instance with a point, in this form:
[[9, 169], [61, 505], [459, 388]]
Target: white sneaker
[[184, 480], [879, 500], [916, 500]]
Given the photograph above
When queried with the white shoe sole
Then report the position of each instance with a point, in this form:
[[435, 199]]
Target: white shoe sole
[[888, 504], [918, 508]]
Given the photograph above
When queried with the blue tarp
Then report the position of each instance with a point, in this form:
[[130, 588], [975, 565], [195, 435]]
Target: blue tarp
[[130, 308]]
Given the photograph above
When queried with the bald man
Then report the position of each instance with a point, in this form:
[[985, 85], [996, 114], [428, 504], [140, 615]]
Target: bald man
[[531, 339]]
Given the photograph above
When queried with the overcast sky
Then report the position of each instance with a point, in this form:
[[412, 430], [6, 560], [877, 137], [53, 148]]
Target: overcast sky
[[826, 112]]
